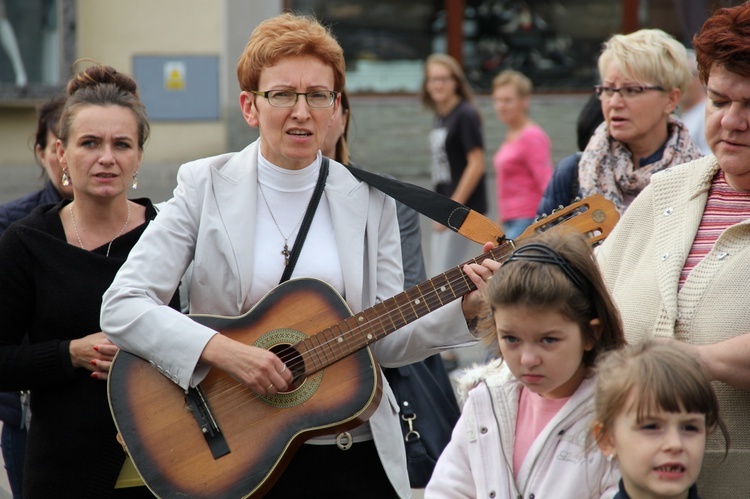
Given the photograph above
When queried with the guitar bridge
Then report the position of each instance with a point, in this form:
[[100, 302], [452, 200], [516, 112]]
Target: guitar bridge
[[198, 404]]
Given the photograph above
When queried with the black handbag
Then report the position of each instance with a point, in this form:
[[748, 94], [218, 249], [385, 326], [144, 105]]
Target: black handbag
[[428, 412]]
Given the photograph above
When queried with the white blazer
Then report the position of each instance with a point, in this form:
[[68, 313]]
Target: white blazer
[[210, 222]]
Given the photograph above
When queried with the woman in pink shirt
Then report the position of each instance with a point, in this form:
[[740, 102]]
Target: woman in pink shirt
[[523, 163]]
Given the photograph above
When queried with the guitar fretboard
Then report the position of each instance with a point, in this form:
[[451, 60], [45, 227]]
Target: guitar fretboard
[[593, 216], [322, 349]]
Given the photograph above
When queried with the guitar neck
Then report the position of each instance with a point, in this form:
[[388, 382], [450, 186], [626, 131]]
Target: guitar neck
[[356, 332], [594, 216]]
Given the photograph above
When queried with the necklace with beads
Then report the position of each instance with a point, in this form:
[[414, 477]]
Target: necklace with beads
[[109, 246], [285, 251]]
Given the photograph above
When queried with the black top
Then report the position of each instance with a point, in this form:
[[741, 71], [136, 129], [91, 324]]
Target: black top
[[463, 134], [10, 402], [51, 292]]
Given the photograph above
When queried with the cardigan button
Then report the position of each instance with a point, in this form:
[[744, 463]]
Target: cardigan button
[[665, 257], [493, 493], [668, 212], [722, 255], [483, 429]]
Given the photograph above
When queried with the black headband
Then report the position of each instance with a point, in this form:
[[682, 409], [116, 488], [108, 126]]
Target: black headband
[[540, 253]]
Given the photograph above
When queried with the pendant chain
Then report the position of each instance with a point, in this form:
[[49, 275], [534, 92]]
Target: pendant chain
[[285, 251], [109, 246]]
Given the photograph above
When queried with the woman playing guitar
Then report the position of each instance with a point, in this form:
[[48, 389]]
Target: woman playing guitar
[[239, 218]]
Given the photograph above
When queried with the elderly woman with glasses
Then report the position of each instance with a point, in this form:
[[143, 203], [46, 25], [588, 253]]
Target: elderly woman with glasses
[[642, 77], [239, 221]]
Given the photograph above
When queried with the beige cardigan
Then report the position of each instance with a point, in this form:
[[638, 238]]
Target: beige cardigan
[[641, 262]]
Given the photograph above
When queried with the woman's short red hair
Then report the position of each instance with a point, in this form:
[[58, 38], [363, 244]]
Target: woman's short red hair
[[724, 40]]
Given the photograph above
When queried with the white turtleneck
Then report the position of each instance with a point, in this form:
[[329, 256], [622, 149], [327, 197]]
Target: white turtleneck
[[288, 193]]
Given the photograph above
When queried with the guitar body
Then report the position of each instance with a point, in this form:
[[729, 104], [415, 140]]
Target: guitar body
[[164, 437]]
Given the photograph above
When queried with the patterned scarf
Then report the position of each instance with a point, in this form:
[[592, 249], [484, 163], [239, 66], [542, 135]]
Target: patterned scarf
[[606, 166]]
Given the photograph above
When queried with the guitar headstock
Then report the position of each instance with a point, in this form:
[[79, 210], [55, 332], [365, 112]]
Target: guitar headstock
[[594, 216]]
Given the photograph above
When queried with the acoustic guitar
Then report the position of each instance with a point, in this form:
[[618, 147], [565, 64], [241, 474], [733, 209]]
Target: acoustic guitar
[[222, 440]]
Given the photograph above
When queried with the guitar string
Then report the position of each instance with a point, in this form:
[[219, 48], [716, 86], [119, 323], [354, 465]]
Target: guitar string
[[230, 386], [295, 359], [498, 254]]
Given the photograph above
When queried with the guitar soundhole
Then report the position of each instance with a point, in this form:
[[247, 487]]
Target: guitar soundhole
[[294, 362]]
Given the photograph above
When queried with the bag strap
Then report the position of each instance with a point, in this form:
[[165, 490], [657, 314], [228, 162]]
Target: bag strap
[[398, 378], [307, 221], [457, 217]]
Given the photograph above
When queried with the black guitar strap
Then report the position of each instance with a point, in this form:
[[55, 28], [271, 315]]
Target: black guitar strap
[[455, 216], [307, 221]]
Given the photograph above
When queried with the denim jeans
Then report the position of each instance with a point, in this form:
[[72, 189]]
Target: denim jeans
[[14, 451], [514, 228]]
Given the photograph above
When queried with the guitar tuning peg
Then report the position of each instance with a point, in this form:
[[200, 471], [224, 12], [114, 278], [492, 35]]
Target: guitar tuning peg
[[543, 215], [559, 207]]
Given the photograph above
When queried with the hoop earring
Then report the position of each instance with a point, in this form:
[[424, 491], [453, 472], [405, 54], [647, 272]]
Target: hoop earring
[[65, 179], [135, 180]]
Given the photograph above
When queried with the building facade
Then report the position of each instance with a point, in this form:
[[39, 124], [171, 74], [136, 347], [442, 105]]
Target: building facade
[[183, 52]]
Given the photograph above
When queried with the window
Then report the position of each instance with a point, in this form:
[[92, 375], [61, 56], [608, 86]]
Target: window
[[385, 42], [555, 43], [37, 48]]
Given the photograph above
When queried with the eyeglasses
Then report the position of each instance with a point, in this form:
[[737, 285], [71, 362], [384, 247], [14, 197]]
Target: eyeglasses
[[287, 98], [626, 92]]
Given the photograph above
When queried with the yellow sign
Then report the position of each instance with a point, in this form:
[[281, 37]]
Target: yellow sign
[[175, 75]]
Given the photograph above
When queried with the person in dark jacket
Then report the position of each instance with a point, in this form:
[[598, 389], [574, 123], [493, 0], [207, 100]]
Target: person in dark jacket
[[45, 151], [563, 187]]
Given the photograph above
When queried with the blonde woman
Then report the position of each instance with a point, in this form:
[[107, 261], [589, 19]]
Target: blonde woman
[[642, 76], [523, 163]]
